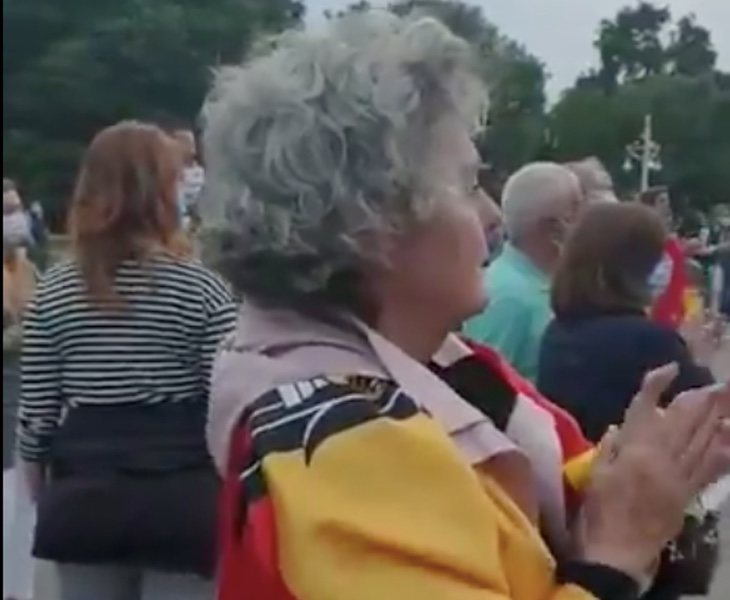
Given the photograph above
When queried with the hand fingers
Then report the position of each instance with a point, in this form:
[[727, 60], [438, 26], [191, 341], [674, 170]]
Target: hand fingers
[[716, 461], [642, 410], [686, 416], [723, 398], [695, 451], [607, 448], [707, 450], [658, 381]]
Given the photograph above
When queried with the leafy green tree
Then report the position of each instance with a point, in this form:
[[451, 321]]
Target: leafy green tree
[[676, 83], [73, 67], [691, 51], [630, 46]]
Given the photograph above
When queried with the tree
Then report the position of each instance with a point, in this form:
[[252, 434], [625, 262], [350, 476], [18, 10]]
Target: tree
[[73, 67], [630, 46], [691, 51], [676, 83], [576, 132]]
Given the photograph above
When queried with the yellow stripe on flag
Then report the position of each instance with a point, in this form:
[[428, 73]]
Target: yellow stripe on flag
[[577, 470]]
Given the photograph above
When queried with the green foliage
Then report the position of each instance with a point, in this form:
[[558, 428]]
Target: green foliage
[[691, 51], [676, 83], [630, 45], [72, 67]]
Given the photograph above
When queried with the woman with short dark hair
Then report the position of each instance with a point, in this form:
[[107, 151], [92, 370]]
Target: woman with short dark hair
[[598, 349]]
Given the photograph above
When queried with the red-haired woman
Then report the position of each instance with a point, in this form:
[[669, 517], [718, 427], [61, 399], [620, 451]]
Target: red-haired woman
[[116, 363]]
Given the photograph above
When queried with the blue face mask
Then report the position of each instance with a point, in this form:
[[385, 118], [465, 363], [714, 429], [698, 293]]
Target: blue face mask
[[660, 277]]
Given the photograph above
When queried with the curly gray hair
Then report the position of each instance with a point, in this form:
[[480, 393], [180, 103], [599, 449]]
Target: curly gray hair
[[317, 142]]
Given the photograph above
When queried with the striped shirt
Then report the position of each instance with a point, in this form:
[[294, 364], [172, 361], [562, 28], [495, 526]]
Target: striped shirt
[[158, 348]]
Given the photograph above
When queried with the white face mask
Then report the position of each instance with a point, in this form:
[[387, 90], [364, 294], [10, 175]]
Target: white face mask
[[16, 229], [660, 277]]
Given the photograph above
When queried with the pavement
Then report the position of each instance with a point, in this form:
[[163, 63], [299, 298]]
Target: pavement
[[46, 586]]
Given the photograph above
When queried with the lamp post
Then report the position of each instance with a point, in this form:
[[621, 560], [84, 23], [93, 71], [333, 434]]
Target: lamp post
[[645, 151]]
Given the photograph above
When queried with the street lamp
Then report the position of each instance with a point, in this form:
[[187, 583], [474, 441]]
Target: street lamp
[[645, 151]]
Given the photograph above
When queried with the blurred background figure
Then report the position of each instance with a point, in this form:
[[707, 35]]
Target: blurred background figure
[[19, 281], [16, 224], [670, 278], [597, 351], [26, 228], [601, 344], [19, 277], [723, 253], [595, 181], [717, 259], [695, 298], [540, 204], [116, 363], [192, 179], [39, 233]]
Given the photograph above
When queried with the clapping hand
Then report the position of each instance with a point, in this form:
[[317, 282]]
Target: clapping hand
[[650, 470]]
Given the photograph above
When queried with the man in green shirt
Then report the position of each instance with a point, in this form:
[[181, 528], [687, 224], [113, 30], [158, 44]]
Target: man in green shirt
[[540, 204]]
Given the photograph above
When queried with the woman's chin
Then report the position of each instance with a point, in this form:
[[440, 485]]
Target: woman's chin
[[477, 307]]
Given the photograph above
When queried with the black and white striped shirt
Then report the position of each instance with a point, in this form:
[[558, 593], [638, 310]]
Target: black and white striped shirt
[[158, 348]]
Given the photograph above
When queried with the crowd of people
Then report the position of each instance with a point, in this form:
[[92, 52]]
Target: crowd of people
[[385, 383]]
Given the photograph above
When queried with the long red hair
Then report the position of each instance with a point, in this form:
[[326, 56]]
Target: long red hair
[[125, 203]]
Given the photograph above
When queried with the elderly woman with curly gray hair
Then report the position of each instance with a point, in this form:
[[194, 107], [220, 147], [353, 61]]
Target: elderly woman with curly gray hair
[[344, 179]]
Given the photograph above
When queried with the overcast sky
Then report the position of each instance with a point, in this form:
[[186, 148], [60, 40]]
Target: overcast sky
[[561, 32]]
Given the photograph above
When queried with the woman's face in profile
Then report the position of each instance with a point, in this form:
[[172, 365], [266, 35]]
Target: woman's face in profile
[[439, 263]]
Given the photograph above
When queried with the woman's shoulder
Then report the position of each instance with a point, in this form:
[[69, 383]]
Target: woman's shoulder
[[629, 338], [355, 397], [619, 334], [589, 324], [325, 391], [193, 272], [182, 264], [310, 410], [59, 277]]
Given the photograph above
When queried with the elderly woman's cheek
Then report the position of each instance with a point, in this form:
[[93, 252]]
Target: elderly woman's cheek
[[468, 252], [480, 257]]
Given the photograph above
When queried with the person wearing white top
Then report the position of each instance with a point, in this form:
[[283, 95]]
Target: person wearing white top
[[192, 177], [16, 225]]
